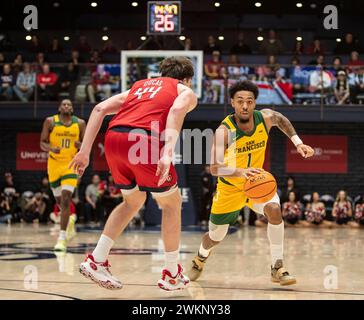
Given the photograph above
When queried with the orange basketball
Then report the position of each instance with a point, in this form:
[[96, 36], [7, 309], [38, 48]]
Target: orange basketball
[[261, 187]]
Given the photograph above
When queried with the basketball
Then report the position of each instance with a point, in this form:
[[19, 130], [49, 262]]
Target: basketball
[[261, 187]]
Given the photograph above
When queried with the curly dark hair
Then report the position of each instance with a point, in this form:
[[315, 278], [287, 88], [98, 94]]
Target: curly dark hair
[[177, 67], [245, 85]]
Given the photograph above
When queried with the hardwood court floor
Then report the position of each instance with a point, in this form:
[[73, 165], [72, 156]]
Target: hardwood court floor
[[238, 268]]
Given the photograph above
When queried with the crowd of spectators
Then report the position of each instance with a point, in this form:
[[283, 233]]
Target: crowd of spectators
[[309, 210], [92, 203], [54, 73]]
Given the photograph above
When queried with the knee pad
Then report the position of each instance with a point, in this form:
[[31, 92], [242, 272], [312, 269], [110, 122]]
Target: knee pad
[[217, 232]]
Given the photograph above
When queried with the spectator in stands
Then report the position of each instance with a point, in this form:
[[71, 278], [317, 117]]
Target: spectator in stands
[[35, 45], [25, 83], [354, 60], [10, 191], [356, 83], [95, 57], [240, 47], [99, 85], [2, 58], [48, 199], [342, 90], [211, 46], [320, 81], [208, 185], [290, 187], [68, 80], [268, 71], [5, 210], [271, 46], [235, 70], [83, 46], [292, 210], [187, 45], [213, 68], [315, 212], [55, 46], [298, 77], [298, 48], [17, 64], [110, 195], [33, 207], [359, 213], [342, 209], [316, 48], [348, 45], [319, 61], [76, 60], [46, 82], [39, 62], [7, 81], [93, 210], [109, 48], [336, 66]]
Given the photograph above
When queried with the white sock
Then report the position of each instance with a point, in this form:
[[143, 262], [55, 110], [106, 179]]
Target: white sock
[[62, 235], [171, 262], [203, 252], [275, 234], [103, 248]]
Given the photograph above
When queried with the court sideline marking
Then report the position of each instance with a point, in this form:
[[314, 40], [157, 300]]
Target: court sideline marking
[[209, 287]]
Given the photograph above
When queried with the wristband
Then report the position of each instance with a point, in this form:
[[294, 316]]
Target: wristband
[[296, 140]]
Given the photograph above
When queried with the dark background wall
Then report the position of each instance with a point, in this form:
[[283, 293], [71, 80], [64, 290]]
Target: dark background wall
[[323, 183]]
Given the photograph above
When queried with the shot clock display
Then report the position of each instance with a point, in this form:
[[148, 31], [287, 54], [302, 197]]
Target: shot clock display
[[164, 17]]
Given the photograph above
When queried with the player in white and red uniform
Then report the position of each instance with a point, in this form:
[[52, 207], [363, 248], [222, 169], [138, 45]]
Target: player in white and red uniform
[[140, 161]]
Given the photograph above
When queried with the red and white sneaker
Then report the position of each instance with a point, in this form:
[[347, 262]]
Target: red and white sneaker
[[99, 273], [170, 283]]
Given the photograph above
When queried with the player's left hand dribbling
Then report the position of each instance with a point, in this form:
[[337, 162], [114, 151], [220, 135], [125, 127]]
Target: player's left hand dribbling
[[305, 151], [79, 163]]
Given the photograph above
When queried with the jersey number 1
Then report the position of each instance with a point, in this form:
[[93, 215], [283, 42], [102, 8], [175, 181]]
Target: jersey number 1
[[249, 160]]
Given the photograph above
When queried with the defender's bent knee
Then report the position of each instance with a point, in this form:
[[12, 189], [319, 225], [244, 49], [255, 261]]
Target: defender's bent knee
[[135, 201]]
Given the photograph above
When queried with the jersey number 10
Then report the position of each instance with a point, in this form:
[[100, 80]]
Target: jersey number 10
[[66, 143]]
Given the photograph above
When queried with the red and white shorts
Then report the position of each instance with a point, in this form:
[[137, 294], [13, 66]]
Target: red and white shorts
[[124, 151]]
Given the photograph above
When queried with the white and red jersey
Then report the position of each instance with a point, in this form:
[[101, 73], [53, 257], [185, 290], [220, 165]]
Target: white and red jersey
[[147, 105]]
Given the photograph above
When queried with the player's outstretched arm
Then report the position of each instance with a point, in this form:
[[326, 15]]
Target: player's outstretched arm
[[100, 111], [218, 167], [276, 119], [185, 102]]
